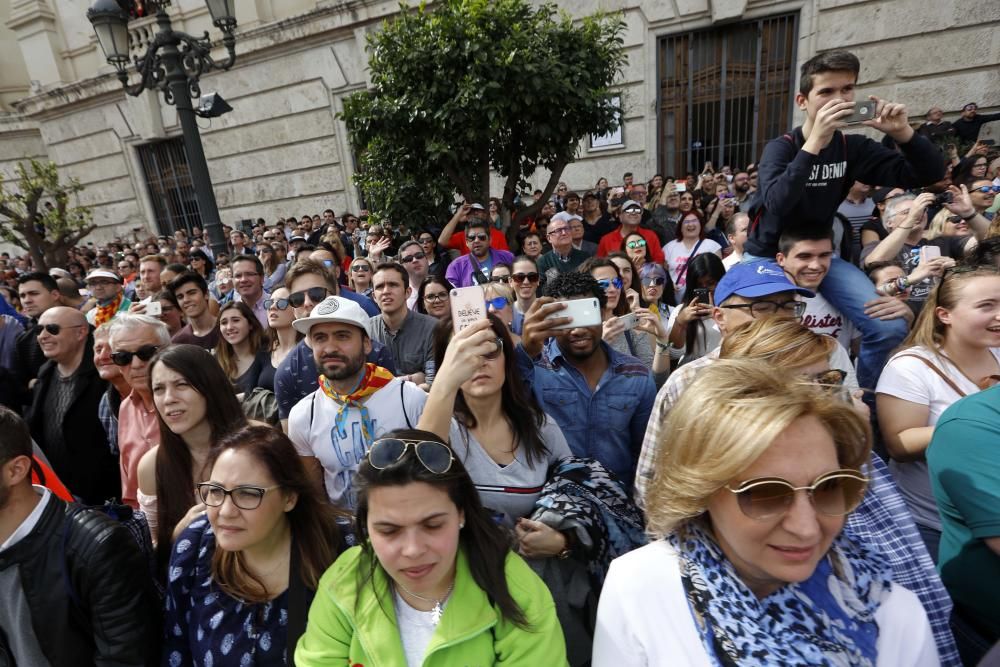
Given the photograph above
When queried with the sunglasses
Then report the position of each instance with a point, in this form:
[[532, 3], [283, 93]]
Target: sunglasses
[[833, 378], [316, 294], [497, 303], [412, 258], [639, 243], [654, 281], [280, 304], [500, 279], [988, 188], [124, 358], [605, 284], [519, 278], [477, 237], [435, 457], [54, 329], [361, 268], [426, 240], [244, 497], [834, 494]]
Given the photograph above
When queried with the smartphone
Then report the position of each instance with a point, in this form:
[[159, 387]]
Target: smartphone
[[584, 313], [680, 187], [153, 309], [929, 252], [862, 111], [629, 321], [468, 305], [703, 295]]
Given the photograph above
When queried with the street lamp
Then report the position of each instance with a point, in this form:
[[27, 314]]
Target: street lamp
[[173, 64]]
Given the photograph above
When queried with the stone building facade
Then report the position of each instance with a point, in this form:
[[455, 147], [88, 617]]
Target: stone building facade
[[703, 77]]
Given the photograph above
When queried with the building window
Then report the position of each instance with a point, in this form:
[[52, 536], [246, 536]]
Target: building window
[[171, 190], [614, 139], [724, 93]]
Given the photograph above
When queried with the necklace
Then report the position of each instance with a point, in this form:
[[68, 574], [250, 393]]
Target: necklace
[[438, 609]]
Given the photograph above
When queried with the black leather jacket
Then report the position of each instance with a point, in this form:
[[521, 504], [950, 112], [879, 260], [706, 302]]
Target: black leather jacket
[[115, 621]]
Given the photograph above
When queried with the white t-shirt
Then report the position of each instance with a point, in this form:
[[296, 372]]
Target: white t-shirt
[[311, 428], [822, 318], [911, 380], [677, 256], [643, 618], [416, 629]]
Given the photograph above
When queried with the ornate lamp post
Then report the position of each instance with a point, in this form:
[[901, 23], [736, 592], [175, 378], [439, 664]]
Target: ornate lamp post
[[173, 64]]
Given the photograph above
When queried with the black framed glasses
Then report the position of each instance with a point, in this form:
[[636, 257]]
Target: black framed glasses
[[124, 357], [361, 268], [54, 329], [315, 294], [605, 283], [280, 304], [436, 457], [558, 231], [436, 298], [834, 493], [425, 240], [245, 497], [413, 258], [757, 309], [519, 278], [477, 237]]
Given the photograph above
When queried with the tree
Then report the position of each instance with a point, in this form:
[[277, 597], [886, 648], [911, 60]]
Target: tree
[[476, 85], [46, 230]]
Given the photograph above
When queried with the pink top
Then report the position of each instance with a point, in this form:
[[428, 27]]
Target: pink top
[[138, 432]]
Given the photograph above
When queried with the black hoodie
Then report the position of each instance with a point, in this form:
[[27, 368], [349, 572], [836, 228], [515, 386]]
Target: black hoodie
[[801, 190]]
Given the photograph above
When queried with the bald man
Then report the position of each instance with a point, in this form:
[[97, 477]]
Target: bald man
[[63, 416]]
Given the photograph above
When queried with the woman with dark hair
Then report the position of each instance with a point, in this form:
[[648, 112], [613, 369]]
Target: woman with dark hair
[[532, 246], [274, 269], [692, 333], [434, 297], [282, 338], [434, 581], [687, 202], [200, 263], [242, 577], [525, 280], [243, 350], [657, 292], [690, 242], [635, 248], [195, 407], [969, 168]]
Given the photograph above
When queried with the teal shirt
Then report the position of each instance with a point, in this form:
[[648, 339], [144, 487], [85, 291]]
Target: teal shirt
[[964, 464]]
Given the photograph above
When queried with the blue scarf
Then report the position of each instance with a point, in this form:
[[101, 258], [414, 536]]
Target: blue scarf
[[829, 619]]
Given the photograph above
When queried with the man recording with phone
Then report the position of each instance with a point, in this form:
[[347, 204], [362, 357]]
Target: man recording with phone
[[805, 175]]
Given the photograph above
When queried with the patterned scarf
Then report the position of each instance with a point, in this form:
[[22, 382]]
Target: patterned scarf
[[829, 619], [375, 378], [107, 311]]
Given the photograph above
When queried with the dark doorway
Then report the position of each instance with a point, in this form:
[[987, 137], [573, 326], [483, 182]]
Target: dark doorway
[[171, 190]]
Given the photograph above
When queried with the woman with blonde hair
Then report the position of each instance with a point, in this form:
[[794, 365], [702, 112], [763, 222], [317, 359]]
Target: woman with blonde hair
[[500, 300], [756, 474], [952, 351], [946, 223], [362, 270]]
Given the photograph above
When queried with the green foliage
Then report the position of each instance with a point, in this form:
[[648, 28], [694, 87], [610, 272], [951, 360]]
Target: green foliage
[[47, 233], [481, 84]]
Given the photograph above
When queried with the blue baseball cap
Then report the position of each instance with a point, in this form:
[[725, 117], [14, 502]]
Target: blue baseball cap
[[753, 279]]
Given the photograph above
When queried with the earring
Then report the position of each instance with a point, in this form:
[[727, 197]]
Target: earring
[[461, 525]]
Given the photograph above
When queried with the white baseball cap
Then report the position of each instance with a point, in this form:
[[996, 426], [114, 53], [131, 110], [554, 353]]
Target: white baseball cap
[[333, 309], [103, 273]]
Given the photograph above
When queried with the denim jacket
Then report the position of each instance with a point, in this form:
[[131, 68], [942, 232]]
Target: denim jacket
[[606, 424]]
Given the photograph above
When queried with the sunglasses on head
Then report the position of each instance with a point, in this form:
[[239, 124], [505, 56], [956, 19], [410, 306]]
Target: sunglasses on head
[[54, 329], [834, 494], [435, 457], [280, 304], [316, 294], [497, 303], [605, 284], [412, 258], [519, 278], [638, 243], [124, 357]]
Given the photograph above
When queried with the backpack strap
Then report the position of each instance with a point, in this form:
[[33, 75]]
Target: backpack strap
[[402, 400], [931, 365]]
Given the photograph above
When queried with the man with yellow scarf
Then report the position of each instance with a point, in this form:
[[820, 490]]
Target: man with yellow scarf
[[107, 289]]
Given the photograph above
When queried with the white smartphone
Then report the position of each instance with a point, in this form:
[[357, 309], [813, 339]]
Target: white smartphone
[[929, 252], [629, 320], [680, 187], [585, 313], [154, 309], [468, 305]]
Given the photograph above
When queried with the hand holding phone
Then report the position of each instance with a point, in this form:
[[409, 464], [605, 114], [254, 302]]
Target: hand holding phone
[[863, 111], [154, 309], [584, 313], [929, 252]]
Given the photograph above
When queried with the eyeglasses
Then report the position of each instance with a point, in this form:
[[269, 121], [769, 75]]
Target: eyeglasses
[[765, 308], [605, 284], [987, 188], [280, 304], [361, 268], [315, 294], [639, 243], [954, 219], [244, 497], [436, 457], [436, 298], [54, 329], [559, 231], [497, 303], [834, 493], [633, 211], [124, 357], [477, 237], [519, 278], [425, 240], [653, 281], [412, 258], [500, 279]]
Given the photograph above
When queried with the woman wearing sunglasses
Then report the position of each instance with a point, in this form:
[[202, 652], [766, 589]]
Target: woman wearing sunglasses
[[525, 280], [434, 297], [282, 338], [241, 578], [500, 302], [243, 350], [360, 280], [195, 408], [750, 567], [635, 248], [952, 351], [434, 581], [657, 292]]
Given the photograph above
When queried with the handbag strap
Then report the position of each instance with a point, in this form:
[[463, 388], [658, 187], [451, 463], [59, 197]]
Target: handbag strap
[[694, 252], [930, 364]]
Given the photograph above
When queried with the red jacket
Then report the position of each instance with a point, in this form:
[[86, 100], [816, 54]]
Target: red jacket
[[497, 241], [612, 242]]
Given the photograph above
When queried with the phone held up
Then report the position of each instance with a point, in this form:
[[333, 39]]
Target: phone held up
[[862, 111], [468, 305], [582, 313]]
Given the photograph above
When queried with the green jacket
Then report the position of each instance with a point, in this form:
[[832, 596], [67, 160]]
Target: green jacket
[[472, 633]]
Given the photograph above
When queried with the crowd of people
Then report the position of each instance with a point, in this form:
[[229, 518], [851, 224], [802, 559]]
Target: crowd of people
[[774, 444]]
